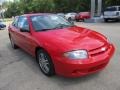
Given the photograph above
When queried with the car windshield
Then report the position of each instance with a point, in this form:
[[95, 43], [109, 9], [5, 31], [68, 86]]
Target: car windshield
[[49, 22], [72, 13], [111, 9], [1, 22]]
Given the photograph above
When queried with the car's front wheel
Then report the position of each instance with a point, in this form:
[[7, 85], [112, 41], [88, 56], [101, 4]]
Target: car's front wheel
[[69, 19], [106, 20], [45, 62]]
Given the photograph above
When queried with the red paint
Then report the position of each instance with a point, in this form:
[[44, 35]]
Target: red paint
[[82, 16], [57, 42]]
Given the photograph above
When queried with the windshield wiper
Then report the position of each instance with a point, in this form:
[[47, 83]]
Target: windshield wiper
[[59, 26], [62, 26], [45, 29]]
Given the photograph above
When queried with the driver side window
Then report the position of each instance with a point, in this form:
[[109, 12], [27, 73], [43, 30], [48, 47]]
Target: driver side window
[[23, 23]]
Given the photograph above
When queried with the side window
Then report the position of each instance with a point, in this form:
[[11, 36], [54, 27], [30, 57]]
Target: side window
[[23, 23], [119, 8], [15, 22]]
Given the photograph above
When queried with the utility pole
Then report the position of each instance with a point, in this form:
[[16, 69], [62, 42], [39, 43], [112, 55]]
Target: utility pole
[[96, 8], [99, 9], [92, 8]]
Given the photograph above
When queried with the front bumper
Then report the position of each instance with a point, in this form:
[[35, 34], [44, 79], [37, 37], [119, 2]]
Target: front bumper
[[111, 17], [77, 68]]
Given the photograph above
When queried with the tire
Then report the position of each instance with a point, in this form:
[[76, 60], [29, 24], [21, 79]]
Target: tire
[[77, 20], [105, 20], [117, 20], [69, 19], [14, 46], [45, 63], [83, 20]]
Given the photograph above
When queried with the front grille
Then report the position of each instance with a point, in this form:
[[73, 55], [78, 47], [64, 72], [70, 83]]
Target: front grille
[[98, 51]]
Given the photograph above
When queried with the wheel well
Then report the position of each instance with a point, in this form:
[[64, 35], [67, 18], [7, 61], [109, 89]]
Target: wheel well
[[36, 49], [39, 48], [69, 18]]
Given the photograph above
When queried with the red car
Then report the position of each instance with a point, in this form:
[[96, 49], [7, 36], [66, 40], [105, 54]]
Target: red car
[[82, 16], [59, 46]]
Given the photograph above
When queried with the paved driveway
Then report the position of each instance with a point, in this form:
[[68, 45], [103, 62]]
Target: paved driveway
[[19, 71]]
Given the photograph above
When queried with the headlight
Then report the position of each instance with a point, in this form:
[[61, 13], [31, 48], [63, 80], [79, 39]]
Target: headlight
[[78, 54]]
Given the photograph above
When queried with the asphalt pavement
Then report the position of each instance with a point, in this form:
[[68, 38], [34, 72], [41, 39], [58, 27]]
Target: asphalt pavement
[[19, 70]]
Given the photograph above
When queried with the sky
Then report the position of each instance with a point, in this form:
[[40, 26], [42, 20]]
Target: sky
[[1, 1]]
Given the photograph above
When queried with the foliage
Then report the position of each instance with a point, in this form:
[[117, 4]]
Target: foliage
[[71, 5], [112, 2], [55, 6], [30, 6]]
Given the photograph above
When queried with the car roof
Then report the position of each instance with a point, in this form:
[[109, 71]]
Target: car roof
[[113, 6], [34, 14]]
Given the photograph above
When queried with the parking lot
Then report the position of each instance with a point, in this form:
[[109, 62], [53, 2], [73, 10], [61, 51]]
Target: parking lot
[[19, 71]]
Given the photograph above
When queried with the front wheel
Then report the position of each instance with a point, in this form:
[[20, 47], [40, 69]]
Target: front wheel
[[45, 62], [106, 20], [69, 19]]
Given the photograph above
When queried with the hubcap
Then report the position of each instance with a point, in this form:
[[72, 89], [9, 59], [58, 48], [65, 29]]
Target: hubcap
[[43, 62]]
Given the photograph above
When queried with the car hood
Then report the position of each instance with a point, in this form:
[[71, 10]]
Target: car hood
[[73, 38], [110, 13]]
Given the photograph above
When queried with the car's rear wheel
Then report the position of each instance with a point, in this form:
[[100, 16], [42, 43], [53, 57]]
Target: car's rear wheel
[[14, 46], [45, 62]]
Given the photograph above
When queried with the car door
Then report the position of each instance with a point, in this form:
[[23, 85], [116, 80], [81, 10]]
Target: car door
[[25, 37], [14, 30], [119, 11]]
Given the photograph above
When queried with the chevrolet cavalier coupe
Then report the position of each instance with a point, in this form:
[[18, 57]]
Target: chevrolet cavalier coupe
[[59, 46]]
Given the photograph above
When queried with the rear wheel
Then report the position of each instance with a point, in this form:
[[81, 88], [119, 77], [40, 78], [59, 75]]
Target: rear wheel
[[14, 46], [45, 62]]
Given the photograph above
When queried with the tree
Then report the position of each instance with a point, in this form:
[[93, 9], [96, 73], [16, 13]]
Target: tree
[[54, 6], [112, 2]]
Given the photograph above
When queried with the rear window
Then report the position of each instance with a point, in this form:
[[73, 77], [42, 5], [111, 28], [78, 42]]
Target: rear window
[[111, 9]]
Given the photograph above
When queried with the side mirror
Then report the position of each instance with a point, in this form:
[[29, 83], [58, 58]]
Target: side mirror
[[24, 30]]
